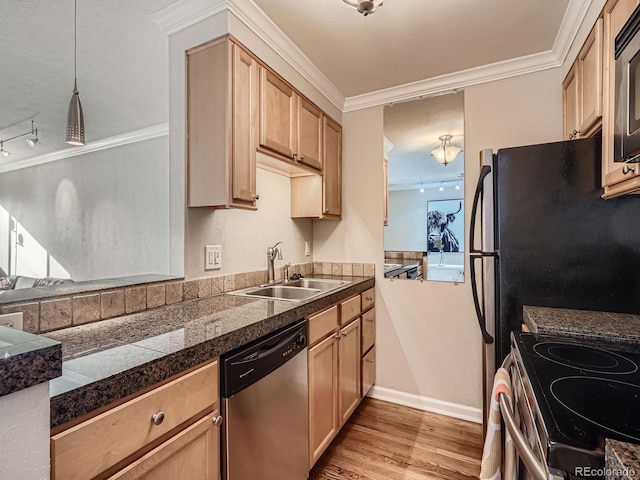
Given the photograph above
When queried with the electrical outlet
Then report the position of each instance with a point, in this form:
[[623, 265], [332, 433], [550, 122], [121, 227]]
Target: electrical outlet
[[307, 249], [12, 320], [213, 257]]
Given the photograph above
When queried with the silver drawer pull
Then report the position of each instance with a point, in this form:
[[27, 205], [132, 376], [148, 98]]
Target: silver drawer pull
[[344, 334], [626, 169], [157, 418], [369, 299], [370, 320], [369, 361], [218, 420]]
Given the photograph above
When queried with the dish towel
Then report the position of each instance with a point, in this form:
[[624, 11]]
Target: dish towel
[[493, 467]]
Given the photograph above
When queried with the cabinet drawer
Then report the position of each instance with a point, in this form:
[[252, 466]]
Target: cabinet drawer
[[93, 446], [368, 299], [349, 309], [368, 329], [321, 324], [368, 371]]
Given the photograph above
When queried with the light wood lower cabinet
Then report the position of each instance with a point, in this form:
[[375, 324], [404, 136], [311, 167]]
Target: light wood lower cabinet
[[368, 370], [336, 375], [160, 420]]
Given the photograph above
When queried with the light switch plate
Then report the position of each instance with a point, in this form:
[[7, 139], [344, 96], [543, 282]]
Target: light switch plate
[[213, 257], [307, 249], [12, 320]]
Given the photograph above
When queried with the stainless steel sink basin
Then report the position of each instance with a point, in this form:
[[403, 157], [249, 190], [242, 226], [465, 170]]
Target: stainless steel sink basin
[[292, 291]]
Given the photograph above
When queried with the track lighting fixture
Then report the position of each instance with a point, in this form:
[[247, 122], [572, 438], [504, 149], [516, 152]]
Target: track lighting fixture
[[32, 142]]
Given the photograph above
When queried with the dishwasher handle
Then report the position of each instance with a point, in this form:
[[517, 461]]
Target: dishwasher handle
[[269, 349]]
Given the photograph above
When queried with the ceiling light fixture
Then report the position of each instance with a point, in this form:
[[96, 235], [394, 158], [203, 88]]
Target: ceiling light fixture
[[421, 186], [441, 189], [31, 141], [460, 175], [446, 153], [365, 7], [75, 118]]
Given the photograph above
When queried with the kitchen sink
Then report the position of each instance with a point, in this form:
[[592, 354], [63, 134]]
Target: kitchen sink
[[293, 290]]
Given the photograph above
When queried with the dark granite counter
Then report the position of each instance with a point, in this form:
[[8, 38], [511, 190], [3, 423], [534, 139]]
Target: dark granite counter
[[622, 460], [603, 328], [109, 360], [27, 360]]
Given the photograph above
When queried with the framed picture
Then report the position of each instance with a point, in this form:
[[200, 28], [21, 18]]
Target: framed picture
[[445, 225]]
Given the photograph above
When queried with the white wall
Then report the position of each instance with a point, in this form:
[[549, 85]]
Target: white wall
[[244, 235], [24, 434], [98, 215], [428, 344]]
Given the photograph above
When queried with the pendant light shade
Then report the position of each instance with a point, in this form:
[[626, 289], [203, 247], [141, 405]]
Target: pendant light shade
[[75, 118], [446, 153]]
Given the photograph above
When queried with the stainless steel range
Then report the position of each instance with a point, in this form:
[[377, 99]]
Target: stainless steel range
[[569, 397]]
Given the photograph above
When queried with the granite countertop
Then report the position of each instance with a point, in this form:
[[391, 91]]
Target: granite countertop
[[606, 328], [622, 460], [109, 360], [27, 360]]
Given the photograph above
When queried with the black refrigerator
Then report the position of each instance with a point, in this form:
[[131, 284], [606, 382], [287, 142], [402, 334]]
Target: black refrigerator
[[541, 235]]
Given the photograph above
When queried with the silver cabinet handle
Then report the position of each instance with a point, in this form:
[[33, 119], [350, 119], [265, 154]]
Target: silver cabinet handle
[[157, 418], [326, 210], [302, 157], [626, 169], [294, 155], [344, 334], [369, 299], [337, 337], [573, 135], [369, 360], [218, 420], [370, 320], [255, 197]]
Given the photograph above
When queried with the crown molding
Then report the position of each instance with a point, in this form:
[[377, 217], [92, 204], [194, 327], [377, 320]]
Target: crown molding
[[452, 82], [184, 13], [573, 17], [110, 142]]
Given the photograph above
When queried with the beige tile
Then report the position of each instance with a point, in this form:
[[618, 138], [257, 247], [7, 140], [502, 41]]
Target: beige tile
[[112, 304], [294, 269], [173, 292], [240, 280], [229, 283], [55, 314], [190, 290], [278, 274], [369, 269], [253, 279], [86, 308], [156, 295], [30, 315], [307, 269], [327, 268], [217, 285], [262, 275], [347, 269], [358, 269], [317, 268], [204, 287], [135, 299], [336, 269]]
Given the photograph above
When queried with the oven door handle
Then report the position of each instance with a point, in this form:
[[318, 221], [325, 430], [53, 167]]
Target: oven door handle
[[536, 470]]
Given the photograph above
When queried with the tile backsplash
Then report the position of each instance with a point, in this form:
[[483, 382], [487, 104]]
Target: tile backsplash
[[54, 314]]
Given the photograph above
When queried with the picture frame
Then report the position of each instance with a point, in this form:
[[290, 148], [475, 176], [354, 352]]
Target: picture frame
[[445, 225]]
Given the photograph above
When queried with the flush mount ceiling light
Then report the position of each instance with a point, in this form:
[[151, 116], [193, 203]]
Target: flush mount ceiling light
[[30, 141], [75, 118], [446, 153], [365, 7]]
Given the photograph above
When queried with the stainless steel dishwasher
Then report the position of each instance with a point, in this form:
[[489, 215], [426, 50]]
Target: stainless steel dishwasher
[[264, 389]]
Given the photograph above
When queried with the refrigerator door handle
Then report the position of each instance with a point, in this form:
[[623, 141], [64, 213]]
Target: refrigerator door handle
[[476, 300], [476, 254]]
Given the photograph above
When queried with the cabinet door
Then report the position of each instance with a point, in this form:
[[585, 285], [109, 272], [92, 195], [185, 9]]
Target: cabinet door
[[590, 73], [368, 330], [368, 371], [616, 13], [192, 453], [309, 133], [323, 396], [349, 370], [245, 112], [571, 104], [277, 108], [332, 168]]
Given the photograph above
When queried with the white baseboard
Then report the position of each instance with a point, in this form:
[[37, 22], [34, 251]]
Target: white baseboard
[[427, 404]]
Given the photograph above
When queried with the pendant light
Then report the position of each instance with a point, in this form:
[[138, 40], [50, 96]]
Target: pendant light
[[365, 7], [446, 153], [75, 118], [441, 189]]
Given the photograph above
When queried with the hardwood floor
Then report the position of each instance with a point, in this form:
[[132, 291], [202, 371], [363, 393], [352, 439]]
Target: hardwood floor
[[384, 441]]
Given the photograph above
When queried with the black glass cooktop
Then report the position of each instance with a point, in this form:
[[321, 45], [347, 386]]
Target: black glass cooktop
[[584, 394]]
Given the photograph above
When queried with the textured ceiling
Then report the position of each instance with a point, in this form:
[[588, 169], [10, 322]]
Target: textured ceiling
[[122, 69], [410, 40]]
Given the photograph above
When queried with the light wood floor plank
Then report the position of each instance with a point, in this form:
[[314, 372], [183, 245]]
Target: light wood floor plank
[[384, 441]]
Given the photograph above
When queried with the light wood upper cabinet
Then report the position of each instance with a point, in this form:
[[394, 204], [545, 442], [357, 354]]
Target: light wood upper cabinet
[[310, 120], [332, 168], [222, 114], [278, 105], [582, 89], [614, 181]]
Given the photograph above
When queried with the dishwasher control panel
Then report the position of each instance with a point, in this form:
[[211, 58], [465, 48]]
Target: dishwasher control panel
[[248, 364]]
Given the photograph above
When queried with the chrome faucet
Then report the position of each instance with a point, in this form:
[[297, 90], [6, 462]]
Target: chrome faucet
[[272, 252]]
